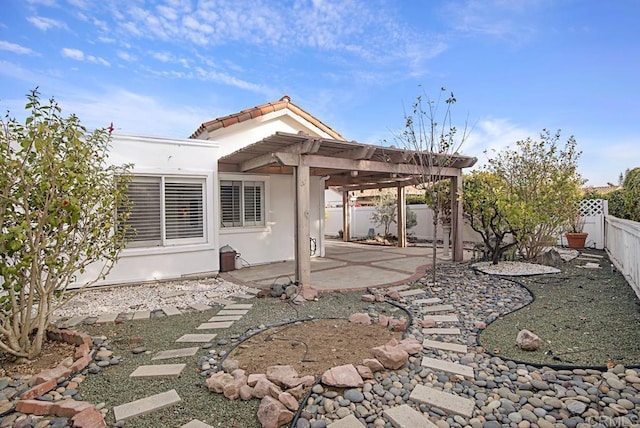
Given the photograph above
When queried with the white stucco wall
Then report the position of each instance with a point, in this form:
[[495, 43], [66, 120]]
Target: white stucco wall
[[275, 241], [176, 158]]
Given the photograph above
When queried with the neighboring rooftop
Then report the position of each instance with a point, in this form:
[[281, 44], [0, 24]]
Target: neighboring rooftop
[[261, 110]]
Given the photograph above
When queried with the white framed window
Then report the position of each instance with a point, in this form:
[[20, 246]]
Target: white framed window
[[242, 203], [166, 211]]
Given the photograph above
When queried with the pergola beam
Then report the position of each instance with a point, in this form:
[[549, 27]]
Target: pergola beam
[[365, 152]]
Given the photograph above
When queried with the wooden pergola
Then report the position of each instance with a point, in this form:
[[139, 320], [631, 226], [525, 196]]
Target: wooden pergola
[[350, 166]]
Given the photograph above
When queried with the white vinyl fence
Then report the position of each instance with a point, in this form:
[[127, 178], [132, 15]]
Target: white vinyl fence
[[361, 224], [593, 212], [623, 247]]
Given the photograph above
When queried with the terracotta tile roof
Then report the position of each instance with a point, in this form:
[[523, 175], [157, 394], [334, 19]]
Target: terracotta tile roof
[[252, 113]]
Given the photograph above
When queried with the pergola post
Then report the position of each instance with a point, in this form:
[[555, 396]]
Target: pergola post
[[457, 222], [302, 233], [346, 217], [402, 217]]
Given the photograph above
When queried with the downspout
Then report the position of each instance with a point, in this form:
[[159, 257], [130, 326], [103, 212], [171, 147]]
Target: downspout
[[322, 216]]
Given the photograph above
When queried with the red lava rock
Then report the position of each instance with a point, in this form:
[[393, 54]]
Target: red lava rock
[[373, 364], [383, 320], [345, 376], [272, 413], [69, 408], [289, 401], [394, 295], [89, 418], [246, 392], [264, 387], [360, 318], [398, 324], [34, 407], [365, 372], [39, 389], [412, 346], [217, 381], [428, 323], [308, 292], [392, 357]]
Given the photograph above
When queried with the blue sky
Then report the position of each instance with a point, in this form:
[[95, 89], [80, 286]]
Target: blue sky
[[163, 67]]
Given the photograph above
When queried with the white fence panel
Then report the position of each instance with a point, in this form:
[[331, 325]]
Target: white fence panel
[[593, 212], [623, 247], [361, 223]]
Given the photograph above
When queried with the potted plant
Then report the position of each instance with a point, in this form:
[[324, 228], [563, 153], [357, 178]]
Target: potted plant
[[575, 235]]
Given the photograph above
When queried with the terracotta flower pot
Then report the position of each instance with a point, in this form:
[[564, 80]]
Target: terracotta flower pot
[[576, 240]]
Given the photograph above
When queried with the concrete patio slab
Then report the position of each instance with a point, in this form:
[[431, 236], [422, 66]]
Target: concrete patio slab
[[442, 318], [105, 318], [429, 301], [171, 310], [368, 256], [437, 308], [145, 405], [363, 276], [141, 315], [406, 264]]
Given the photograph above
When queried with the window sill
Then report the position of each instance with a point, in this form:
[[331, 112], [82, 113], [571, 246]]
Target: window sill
[[169, 249], [236, 230]]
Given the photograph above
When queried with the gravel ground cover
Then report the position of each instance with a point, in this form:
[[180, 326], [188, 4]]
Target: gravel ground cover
[[585, 317]]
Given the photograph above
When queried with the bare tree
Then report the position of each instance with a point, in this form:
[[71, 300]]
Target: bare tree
[[429, 131]]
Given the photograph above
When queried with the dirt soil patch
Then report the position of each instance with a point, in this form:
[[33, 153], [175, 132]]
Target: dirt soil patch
[[52, 354], [311, 347]]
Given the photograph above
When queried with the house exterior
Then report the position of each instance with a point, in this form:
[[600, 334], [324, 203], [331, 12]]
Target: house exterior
[[253, 180]]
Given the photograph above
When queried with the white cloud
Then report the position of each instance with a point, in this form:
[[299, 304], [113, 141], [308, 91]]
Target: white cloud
[[126, 56], [17, 49], [493, 135], [78, 55], [45, 24]]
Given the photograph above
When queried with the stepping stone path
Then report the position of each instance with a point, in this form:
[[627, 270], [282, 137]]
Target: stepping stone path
[[448, 367], [445, 346], [347, 422], [441, 331], [443, 318], [224, 319], [437, 308], [408, 293], [105, 318], [141, 315]]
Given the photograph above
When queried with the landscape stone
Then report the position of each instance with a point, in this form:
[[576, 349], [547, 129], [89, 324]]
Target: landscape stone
[[345, 376], [527, 341], [272, 413], [145, 405], [448, 402], [158, 370], [405, 417], [175, 353]]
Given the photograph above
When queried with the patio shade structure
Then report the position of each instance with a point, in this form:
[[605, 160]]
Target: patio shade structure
[[351, 166]]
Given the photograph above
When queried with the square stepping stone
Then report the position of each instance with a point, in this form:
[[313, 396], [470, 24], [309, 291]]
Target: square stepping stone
[[72, 322], [443, 318], [214, 325], [445, 346], [218, 318], [105, 318], [443, 400], [145, 405], [196, 424], [233, 312], [196, 338], [171, 310], [443, 331], [218, 301], [437, 308], [429, 301], [141, 315], [406, 417], [168, 371], [239, 306], [176, 353], [347, 422], [448, 367], [408, 293], [251, 290], [244, 296], [200, 307]]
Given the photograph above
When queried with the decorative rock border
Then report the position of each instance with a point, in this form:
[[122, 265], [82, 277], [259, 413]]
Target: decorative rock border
[[80, 413]]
